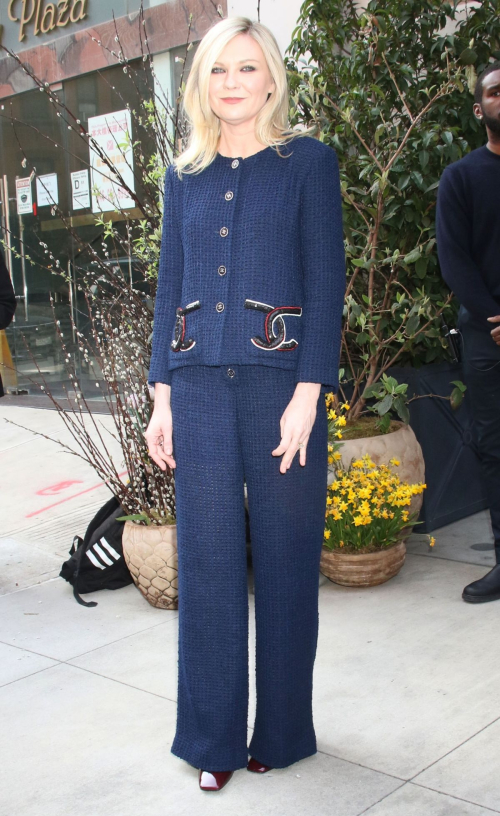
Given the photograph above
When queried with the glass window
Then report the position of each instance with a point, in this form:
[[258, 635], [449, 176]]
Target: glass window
[[35, 131]]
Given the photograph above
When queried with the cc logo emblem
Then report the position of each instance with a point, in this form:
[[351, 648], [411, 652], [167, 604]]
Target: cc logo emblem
[[274, 326], [180, 342]]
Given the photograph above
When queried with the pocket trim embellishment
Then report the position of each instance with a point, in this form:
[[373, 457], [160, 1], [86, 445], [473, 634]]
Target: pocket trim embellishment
[[180, 343], [274, 326]]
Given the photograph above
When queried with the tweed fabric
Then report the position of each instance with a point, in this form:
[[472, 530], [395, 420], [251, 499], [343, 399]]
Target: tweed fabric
[[252, 267], [224, 429]]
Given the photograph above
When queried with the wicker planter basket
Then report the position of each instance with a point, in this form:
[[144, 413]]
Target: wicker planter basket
[[363, 569], [150, 553]]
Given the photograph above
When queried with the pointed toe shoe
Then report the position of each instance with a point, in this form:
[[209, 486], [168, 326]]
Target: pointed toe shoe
[[214, 780], [257, 767]]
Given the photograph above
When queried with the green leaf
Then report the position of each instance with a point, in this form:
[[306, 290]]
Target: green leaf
[[456, 398], [385, 405], [389, 382], [412, 256], [401, 409], [447, 137], [374, 390], [424, 159], [403, 181], [362, 338], [135, 517], [384, 423], [412, 324], [421, 267], [460, 385], [468, 56]]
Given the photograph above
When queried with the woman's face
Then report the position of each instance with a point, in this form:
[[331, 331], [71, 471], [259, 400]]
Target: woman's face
[[240, 81]]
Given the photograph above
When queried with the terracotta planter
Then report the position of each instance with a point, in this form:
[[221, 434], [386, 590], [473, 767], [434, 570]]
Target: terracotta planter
[[150, 553], [363, 569], [401, 444]]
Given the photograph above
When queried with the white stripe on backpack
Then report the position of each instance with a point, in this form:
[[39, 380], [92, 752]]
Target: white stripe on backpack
[[102, 555], [90, 555], [116, 555]]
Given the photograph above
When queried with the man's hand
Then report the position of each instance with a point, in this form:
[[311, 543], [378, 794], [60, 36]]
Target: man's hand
[[495, 333]]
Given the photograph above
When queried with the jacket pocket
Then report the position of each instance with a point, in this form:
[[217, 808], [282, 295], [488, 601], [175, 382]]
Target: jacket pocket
[[274, 328], [180, 341]]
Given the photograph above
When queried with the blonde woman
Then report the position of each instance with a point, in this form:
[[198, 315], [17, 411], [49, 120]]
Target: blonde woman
[[246, 342]]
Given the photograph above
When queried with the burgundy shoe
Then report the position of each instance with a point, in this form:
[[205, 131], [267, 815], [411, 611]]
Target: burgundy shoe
[[214, 780], [257, 767]]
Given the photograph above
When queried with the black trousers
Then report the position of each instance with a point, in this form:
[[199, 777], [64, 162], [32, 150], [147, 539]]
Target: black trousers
[[481, 372]]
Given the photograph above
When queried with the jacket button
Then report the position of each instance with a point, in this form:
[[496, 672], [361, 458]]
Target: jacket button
[[235, 164], [224, 231], [230, 372], [229, 195], [222, 270], [220, 307]]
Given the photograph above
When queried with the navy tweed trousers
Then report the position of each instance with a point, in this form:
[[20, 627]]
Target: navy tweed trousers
[[226, 422]]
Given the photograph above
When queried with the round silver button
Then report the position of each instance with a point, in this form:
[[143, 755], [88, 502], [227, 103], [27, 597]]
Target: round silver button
[[220, 307], [235, 164], [229, 195], [224, 231], [230, 372], [222, 270]]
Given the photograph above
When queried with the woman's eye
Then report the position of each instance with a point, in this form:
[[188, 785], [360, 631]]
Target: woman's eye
[[216, 70], [250, 67]]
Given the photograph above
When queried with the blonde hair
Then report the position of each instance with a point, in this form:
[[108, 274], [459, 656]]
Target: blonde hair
[[272, 120]]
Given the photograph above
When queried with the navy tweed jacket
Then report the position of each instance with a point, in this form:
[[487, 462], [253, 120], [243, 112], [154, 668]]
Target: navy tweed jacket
[[252, 265]]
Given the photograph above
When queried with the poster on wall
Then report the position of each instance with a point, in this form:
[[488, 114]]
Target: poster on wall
[[46, 190], [113, 134], [23, 195], [80, 189]]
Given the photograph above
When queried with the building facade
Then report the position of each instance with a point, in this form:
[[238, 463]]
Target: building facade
[[77, 48]]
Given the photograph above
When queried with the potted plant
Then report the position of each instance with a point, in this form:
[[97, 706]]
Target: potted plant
[[376, 434], [368, 518], [389, 88]]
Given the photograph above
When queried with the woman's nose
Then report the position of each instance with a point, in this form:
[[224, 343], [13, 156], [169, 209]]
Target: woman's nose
[[231, 80]]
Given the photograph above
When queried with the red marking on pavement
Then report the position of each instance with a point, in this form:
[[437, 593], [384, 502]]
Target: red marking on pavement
[[68, 498], [57, 488]]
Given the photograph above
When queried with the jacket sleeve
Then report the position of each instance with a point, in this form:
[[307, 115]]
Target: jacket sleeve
[[169, 288], [324, 277], [454, 238], [7, 297]]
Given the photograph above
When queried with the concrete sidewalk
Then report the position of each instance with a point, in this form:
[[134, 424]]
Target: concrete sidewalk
[[406, 679]]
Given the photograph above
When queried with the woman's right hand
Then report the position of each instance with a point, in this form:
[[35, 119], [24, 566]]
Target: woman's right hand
[[158, 434]]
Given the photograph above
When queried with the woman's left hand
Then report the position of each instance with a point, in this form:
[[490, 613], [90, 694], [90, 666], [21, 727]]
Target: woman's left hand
[[296, 424]]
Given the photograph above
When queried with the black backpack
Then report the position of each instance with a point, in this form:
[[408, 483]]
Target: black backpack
[[97, 560]]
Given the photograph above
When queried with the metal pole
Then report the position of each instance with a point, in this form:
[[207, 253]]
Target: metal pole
[[129, 252], [71, 301], [23, 267], [6, 219]]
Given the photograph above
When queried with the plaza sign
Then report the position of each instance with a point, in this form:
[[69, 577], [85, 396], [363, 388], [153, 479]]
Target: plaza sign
[[45, 17]]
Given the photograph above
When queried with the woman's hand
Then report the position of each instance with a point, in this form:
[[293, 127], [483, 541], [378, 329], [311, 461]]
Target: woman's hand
[[296, 424], [159, 431]]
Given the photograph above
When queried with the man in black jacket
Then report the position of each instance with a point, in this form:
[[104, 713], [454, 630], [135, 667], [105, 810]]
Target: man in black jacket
[[468, 241], [7, 302]]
